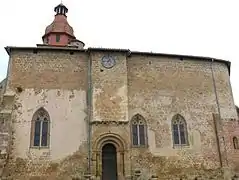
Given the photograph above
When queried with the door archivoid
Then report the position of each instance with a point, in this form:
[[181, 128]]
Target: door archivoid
[[119, 144]]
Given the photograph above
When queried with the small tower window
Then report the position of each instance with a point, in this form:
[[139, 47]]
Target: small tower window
[[58, 37], [235, 143]]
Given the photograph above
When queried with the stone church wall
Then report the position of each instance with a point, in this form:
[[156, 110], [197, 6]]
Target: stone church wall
[[110, 100], [2, 89], [57, 82], [6, 101], [48, 69], [230, 129], [158, 89]]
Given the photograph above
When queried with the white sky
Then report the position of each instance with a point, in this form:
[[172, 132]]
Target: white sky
[[202, 27]]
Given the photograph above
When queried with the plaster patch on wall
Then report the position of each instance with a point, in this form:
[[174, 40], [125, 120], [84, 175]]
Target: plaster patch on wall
[[67, 124]]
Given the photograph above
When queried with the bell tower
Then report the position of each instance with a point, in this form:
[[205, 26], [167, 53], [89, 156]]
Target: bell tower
[[59, 32]]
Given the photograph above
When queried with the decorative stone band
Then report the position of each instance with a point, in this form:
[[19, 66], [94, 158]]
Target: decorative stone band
[[109, 122]]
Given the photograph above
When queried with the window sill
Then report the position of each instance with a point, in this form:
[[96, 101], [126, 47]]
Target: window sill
[[140, 146], [184, 146], [37, 147]]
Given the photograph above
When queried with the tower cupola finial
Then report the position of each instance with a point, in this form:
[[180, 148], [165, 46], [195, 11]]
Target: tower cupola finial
[[61, 9]]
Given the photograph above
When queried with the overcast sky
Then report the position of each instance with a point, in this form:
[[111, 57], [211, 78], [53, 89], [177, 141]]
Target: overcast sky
[[191, 27]]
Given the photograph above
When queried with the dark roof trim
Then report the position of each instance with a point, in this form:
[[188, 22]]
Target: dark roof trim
[[127, 51], [109, 49], [171, 55], [44, 47]]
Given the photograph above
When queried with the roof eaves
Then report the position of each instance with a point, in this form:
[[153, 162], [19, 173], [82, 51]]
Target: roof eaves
[[65, 48], [171, 55], [7, 50]]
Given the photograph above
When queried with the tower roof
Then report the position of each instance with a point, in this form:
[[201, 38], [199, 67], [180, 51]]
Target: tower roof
[[60, 27]]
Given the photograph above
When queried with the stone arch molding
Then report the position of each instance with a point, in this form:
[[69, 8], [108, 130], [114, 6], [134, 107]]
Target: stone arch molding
[[122, 156], [41, 109], [138, 111], [111, 138]]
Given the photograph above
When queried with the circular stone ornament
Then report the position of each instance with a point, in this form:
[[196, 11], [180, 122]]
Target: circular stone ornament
[[108, 61]]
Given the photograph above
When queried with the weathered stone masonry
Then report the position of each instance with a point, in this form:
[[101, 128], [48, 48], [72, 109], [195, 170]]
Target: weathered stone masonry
[[152, 85], [6, 106]]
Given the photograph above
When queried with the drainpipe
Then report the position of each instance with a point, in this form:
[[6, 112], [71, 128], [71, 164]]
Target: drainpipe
[[89, 110], [220, 119]]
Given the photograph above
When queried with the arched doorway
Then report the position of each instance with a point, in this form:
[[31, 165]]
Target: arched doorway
[[109, 162]]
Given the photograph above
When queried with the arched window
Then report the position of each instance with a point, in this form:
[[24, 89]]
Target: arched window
[[138, 131], [235, 143], [40, 128], [179, 128]]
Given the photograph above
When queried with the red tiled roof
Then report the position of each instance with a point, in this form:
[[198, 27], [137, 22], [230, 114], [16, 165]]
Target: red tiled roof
[[60, 25]]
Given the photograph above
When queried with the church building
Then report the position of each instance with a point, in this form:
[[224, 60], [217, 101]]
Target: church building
[[71, 113]]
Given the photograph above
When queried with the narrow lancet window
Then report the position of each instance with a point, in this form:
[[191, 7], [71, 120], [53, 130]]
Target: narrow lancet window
[[179, 130], [138, 131], [40, 128], [235, 143]]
